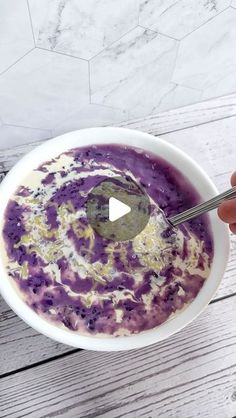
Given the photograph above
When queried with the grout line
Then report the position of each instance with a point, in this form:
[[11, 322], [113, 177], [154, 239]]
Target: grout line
[[27, 127], [40, 363], [19, 59], [159, 33], [89, 83], [205, 23], [112, 43], [77, 350], [31, 22], [192, 88], [174, 67], [196, 90], [168, 36], [60, 53], [109, 107], [172, 89]]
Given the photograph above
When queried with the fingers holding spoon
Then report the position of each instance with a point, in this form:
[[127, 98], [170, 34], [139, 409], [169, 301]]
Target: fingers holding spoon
[[227, 209]]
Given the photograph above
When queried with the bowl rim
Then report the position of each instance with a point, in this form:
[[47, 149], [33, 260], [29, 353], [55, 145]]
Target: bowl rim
[[158, 146]]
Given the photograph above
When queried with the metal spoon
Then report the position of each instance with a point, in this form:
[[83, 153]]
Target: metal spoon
[[203, 207]]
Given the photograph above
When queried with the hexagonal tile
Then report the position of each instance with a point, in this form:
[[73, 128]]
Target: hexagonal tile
[[42, 89], [178, 96], [133, 73], [178, 18], [206, 55], [225, 85], [91, 116], [11, 136], [81, 28], [16, 37]]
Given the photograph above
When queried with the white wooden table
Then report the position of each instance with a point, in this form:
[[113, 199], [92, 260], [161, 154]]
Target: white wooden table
[[192, 374]]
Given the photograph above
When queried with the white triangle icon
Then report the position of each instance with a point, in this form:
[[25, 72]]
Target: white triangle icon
[[117, 209]]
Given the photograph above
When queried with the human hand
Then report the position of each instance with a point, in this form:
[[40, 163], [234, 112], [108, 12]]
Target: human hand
[[227, 209]]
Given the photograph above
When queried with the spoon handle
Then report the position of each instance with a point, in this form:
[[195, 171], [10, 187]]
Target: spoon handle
[[203, 207]]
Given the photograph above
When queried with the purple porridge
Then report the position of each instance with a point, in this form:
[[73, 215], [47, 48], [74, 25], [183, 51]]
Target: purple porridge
[[71, 276]]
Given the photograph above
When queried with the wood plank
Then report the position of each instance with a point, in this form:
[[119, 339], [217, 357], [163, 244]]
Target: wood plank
[[20, 345], [204, 144], [9, 156], [192, 374], [158, 124], [187, 116]]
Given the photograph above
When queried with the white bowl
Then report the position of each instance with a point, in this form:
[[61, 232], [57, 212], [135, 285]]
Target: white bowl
[[181, 161]]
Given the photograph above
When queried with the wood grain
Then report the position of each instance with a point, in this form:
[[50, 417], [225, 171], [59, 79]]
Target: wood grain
[[170, 121], [192, 374], [20, 345], [185, 117], [9, 156], [213, 145]]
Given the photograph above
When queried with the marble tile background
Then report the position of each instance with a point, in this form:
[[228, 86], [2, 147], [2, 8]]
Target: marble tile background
[[69, 64]]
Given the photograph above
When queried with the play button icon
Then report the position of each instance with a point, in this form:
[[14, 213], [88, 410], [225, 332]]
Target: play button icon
[[118, 209]]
